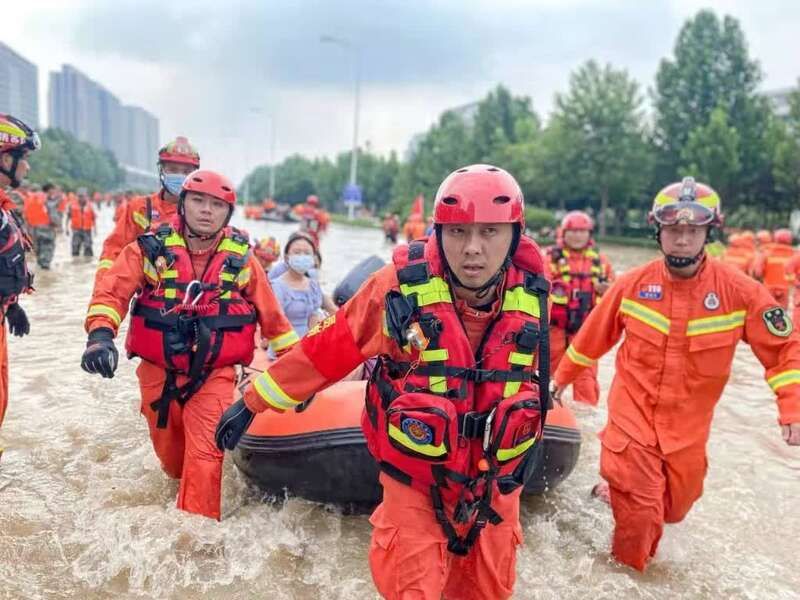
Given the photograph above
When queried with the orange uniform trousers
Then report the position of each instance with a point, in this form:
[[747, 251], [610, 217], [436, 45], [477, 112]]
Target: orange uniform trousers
[[186, 447], [648, 488], [408, 553], [3, 372], [585, 388]]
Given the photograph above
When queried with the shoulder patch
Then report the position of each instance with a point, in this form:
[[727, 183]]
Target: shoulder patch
[[777, 321]]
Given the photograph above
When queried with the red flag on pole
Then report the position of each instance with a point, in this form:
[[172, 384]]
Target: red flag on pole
[[419, 206]]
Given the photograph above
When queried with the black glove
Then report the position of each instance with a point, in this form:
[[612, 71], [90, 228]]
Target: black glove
[[18, 323], [101, 354], [232, 425]]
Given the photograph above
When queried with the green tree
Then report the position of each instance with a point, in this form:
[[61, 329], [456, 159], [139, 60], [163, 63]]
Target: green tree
[[711, 69], [598, 138], [711, 153], [65, 160]]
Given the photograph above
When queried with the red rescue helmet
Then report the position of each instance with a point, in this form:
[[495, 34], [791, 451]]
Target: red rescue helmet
[[763, 236], [16, 136], [267, 249], [181, 151], [687, 202], [479, 194], [312, 200], [783, 236], [577, 220], [211, 183]]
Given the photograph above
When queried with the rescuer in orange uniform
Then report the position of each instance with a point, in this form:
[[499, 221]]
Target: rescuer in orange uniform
[[82, 223], [199, 294], [579, 276], [142, 214], [17, 141], [313, 219], [452, 412], [682, 318], [741, 252], [414, 227], [771, 266]]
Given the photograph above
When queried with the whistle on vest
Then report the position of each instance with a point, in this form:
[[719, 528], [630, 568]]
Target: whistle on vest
[[416, 337]]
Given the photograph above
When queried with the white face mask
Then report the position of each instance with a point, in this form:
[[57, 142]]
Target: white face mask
[[301, 263]]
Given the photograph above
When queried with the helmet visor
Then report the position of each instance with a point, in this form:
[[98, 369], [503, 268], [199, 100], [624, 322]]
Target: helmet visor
[[689, 213]]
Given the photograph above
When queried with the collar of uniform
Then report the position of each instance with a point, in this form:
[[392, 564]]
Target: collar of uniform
[[466, 311]]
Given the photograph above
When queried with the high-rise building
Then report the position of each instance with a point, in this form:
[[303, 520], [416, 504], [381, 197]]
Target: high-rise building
[[93, 114], [19, 87]]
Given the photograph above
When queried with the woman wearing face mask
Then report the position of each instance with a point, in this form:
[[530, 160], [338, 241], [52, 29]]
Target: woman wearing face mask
[[297, 291]]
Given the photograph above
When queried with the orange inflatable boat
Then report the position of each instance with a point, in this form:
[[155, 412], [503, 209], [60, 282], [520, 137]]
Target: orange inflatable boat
[[319, 452]]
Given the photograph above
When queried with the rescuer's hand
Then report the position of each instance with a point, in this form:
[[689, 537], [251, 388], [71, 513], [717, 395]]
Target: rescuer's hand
[[18, 323], [232, 425], [101, 354], [556, 392], [791, 434]]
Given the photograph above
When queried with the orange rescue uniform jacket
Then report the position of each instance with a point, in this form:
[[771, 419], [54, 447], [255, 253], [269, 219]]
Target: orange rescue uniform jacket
[[741, 257], [771, 265], [680, 338], [35, 210], [132, 223], [296, 377], [81, 219], [113, 292]]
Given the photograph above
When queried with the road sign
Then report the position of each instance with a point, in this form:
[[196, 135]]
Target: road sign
[[351, 194]]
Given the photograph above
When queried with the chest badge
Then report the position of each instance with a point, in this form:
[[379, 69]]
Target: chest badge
[[711, 301], [418, 432], [650, 291]]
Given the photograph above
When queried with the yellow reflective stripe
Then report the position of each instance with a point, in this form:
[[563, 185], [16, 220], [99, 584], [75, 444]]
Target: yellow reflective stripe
[[225, 295], [433, 291], [149, 270], [511, 388], [520, 358], [558, 299], [228, 245], [591, 254], [716, 324], [648, 316], [579, 359], [434, 355], [106, 311], [437, 384], [173, 239], [427, 449], [784, 378], [141, 220], [519, 299], [244, 278], [272, 394], [105, 263], [284, 340], [226, 276], [504, 454], [171, 293], [171, 274]]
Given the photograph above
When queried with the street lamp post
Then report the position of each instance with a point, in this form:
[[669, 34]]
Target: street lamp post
[[348, 45]]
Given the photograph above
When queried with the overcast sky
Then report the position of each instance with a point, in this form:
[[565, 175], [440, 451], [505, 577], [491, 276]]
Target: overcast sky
[[217, 71]]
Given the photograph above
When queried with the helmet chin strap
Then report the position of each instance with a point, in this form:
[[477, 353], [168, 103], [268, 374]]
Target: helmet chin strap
[[679, 262], [12, 172]]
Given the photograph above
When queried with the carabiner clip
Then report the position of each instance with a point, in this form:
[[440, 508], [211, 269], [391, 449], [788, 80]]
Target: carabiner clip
[[188, 299], [487, 430]]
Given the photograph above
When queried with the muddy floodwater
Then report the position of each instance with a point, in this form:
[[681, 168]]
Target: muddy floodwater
[[85, 511]]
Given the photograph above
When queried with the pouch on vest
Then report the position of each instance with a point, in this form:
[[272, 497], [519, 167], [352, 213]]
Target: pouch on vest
[[514, 429], [422, 426]]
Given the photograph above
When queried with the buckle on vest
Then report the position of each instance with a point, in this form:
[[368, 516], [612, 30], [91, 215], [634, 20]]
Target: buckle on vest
[[472, 424]]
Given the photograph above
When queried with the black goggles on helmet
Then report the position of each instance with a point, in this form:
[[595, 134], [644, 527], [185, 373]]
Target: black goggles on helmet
[[688, 213]]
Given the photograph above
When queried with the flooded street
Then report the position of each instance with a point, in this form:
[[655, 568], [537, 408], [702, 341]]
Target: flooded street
[[86, 512]]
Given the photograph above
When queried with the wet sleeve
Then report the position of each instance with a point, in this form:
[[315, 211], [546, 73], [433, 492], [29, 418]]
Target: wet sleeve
[[769, 331], [275, 327], [598, 334], [113, 293], [125, 231], [608, 270], [329, 351]]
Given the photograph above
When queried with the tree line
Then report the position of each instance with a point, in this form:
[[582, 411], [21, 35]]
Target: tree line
[[603, 147]]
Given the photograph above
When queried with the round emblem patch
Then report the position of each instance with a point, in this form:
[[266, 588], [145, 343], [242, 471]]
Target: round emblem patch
[[711, 301], [417, 431]]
